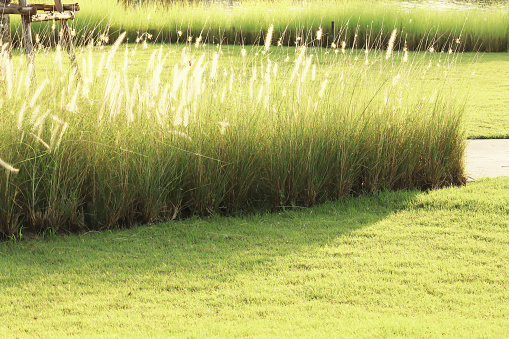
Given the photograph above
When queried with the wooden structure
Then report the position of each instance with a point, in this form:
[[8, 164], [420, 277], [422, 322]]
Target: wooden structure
[[29, 14]]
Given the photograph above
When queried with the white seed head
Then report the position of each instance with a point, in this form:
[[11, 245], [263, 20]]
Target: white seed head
[[319, 33], [268, 38], [8, 167], [390, 45]]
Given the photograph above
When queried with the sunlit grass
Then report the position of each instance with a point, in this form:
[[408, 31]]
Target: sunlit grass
[[392, 264]]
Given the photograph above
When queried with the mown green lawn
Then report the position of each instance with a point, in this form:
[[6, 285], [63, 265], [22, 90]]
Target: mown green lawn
[[487, 111], [419, 264]]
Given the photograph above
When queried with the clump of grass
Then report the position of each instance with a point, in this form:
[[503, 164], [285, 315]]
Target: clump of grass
[[203, 129]]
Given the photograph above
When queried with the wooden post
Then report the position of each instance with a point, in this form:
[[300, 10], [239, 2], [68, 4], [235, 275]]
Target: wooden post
[[27, 40], [66, 38], [5, 27]]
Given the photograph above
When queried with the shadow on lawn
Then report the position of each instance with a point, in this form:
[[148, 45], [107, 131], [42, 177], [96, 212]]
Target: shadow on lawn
[[215, 247]]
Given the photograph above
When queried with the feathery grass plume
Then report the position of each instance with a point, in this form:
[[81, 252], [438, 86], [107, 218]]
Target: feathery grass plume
[[71, 80], [29, 78], [90, 68], [33, 116], [196, 88], [298, 62], [223, 125], [178, 78], [306, 68], [213, 71], [7, 68], [181, 134], [176, 81], [405, 52], [56, 123], [343, 47], [162, 107], [396, 79], [275, 69], [114, 49], [152, 62], [115, 101], [132, 101], [43, 143], [354, 44], [84, 68], [39, 123], [187, 114], [8, 167], [184, 96], [5, 50], [261, 69], [108, 88], [260, 93], [185, 57], [126, 59], [319, 34], [156, 75], [268, 38], [251, 83], [230, 85], [101, 65], [267, 77], [223, 95], [322, 88], [198, 41], [127, 99], [390, 45], [38, 92], [433, 96], [71, 106], [62, 132], [21, 115], [178, 120], [85, 91], [58, 58], [243, 52], [62, 100]]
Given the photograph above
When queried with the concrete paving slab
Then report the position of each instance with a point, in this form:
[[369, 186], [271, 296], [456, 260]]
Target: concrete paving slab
[[487, 158]]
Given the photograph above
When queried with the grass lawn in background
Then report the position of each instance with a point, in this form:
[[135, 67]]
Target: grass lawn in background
[[480, 27], [393, 264], [487, 111]]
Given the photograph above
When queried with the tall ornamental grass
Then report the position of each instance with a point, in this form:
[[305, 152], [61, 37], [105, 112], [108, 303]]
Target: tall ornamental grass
[[146, 133], [480, 28]]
